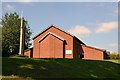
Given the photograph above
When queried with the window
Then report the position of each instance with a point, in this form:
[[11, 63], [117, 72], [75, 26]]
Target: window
[[68, 52]]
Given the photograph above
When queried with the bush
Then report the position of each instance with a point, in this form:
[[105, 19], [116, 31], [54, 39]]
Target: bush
[[20, 56], [114, 56]]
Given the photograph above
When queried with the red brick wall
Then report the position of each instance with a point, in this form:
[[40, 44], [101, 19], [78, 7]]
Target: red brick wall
[[77, 49], [27, 53], [51, 47], [44, 47], [68, 45], [91, 53]]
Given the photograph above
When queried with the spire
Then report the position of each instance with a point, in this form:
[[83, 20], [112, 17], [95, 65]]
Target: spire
[[21, 19], [21, 47]]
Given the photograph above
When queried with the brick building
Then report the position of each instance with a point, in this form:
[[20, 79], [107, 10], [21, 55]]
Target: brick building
[[56, 43]]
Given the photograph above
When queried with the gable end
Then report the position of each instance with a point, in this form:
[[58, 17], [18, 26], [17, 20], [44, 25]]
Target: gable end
[[49, 28]]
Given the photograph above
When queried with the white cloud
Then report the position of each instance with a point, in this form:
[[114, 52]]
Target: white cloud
[[80, 30], [9, 7], [106, 27]]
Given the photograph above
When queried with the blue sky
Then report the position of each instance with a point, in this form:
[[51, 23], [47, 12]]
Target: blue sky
[[95, 23]]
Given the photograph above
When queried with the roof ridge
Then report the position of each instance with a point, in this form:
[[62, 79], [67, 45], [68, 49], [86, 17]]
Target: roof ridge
[[50, 27], [62, 30], [94, 47], [51, 34]]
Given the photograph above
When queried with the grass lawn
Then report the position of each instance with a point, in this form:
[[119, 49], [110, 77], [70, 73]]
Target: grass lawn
[[20, 67], [115, 61]]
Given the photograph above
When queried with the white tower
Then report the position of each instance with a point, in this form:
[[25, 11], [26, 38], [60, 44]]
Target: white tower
[[22, 39]]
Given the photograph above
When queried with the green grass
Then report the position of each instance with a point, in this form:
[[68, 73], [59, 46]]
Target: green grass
[[21, 67], [115, 61]]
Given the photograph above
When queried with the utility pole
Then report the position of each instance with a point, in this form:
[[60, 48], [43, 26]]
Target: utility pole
[[22, 38]]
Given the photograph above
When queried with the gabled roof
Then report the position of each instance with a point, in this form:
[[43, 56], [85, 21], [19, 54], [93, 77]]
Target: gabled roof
[[79, 40], [58, 29], [94, 48], [49, 28], [51, 34]]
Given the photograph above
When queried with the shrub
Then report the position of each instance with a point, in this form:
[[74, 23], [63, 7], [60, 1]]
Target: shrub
[[114, 55], [21, 56]]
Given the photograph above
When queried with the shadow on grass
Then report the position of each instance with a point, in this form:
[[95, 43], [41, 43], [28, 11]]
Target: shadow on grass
[[59, 68]]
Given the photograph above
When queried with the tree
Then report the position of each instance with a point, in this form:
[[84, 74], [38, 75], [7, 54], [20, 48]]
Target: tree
[[11, 34], [114, 55], [0, 41]]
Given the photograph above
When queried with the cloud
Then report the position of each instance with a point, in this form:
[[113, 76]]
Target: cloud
[[80, 30], [106, 27], [9, 7]]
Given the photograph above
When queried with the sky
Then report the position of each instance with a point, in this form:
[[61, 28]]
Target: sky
[[95, 23]]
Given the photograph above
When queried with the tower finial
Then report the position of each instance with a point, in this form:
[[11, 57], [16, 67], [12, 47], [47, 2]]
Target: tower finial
[[21, 14]]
